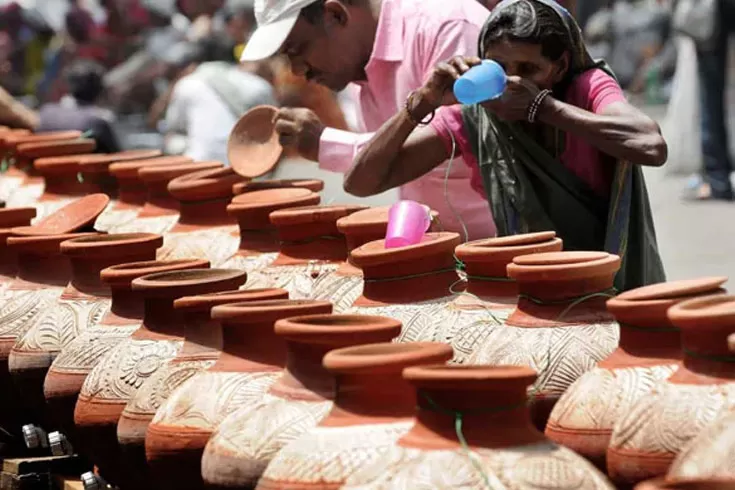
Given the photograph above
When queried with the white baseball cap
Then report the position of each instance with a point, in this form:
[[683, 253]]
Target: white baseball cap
[[275, 20]]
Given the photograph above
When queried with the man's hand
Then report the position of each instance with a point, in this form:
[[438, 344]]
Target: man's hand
[[300, 129]]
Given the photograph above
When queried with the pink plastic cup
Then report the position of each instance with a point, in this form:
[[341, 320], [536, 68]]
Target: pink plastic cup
[[407, 223]]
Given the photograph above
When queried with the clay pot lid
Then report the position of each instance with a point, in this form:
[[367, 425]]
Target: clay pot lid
[[687, 484], [59, 164], [253, 148], [386, 357], [338, 329], [561, 266], [204, 185], [313, 214], [371, 220], [20, 138], [314, 185], [270, 200], [177, 284], [269, 310], [124, 274], [129, 170], [468, 377], [508, 247], [74, 216], [167, 173], [716, 311], [674, 289], [42, 244], [10, 217], [374, 253], [56, 148], [118, 244], [100, 163], [13, 134], [205, 302]]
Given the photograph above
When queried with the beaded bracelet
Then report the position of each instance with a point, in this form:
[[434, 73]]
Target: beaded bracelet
[[536, 105], [407, 108]]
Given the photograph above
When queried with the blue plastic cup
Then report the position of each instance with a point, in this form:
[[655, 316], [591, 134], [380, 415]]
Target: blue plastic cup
[[480, 83]]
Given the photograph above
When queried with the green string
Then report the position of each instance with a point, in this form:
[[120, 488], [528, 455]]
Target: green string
[[87, 134], [648, 329], [5, 165], [573, 302], [491, 278], [710, 357], [80, 177], [412, 276]]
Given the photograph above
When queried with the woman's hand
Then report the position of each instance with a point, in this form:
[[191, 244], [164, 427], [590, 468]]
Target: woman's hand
[[437, 91], [516, 99]]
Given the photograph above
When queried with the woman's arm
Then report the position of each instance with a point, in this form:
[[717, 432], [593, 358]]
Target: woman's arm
[[620, 130]]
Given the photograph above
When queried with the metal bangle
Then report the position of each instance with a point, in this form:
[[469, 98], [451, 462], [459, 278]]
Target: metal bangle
[[407, 108]]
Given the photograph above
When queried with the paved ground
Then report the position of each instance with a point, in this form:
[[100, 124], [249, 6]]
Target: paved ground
[[695, 239]]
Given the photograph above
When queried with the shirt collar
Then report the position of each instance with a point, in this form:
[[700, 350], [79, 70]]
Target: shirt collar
[[388, 45]]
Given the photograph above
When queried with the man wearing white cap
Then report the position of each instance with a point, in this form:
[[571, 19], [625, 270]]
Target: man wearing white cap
[[387, 48]]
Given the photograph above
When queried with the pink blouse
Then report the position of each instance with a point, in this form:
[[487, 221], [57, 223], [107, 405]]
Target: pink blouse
[[593, 91]]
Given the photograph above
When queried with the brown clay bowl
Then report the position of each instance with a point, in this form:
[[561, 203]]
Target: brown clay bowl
[[253, 148]]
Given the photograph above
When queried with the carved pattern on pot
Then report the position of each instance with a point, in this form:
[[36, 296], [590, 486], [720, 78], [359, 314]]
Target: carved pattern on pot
[[9, 185], [159, 386], [27, 195], [186, 408], [710, 455], [62, 323], [155, 224], [112, 220], [250, 264], [119, 374], [342, 290], [541, 465], [216, 245], [84, 352], [298, 280], [21, 307]]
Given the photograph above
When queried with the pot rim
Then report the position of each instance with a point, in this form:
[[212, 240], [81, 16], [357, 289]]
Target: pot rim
[[247, 165], [89, 245], [303, 215], [43, 149], [204, 185], [382, 357], [674, 290], [12, 141], [42, 244], [124, 274], [100, 162], [208, 301], [74, 216], [130, 169], [328, 328], [374, 253], [713, 308], [314, 185], [563, 266], [187, 278], [162, 173], [254, 311], [478, 375], [10, 217], [273, 199]]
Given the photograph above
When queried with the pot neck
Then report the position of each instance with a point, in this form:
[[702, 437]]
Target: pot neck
[[65, 185], [490, 282], [657, 342], [255, 242], [300, 244], [131, 192], [127, 305], [158, 201], [305, 378], [250, 347], [203, 336], [85, 275], [386, 395], [160, 316], [706, 354], [205, 213], [8, 261], [53, 270]]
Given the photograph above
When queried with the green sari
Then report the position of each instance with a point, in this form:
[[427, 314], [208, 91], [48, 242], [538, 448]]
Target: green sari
[[529, 189]]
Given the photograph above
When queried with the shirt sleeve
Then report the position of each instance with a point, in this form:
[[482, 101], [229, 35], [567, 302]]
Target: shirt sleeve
[[176, 114], [338, 149], [603, 91]]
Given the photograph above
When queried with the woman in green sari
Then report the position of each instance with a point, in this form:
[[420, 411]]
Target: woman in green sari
[[560, 150]]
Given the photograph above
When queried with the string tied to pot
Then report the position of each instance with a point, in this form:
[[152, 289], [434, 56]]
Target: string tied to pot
[[572, 302], [729, 358]]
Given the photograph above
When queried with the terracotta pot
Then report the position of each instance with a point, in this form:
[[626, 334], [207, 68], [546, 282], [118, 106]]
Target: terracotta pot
[[202, 346], [506, 449], [83, 303], [560, 326], [314, 185], [709, 484], [310, 246], [252, 359], [373, 408], [9, 218], [132, 192], [203, 198], [258, 237], [69, 370], [649, 351], [246, 441], [114, 381], [11, 178], [648, 437]]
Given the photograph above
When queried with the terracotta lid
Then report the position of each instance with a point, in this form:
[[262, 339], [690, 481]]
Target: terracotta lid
[[12, 134], [269, 311], [114, 245], [253, 148], [10, 217], [20, 138], [386, 357], [371, 221], [167, 173], [205, 302], [687, 484], [313, 214], [129, 170], [74, 216], [56, 148], [338, 330], [505, 249], [648, 305], [375, 254], [262, 203], [65, 164], [100, 163], [177, 284], [42, 244], [705, 313], [563, 266], [204, 185], [122, 275], [469, 378], [314, 185]]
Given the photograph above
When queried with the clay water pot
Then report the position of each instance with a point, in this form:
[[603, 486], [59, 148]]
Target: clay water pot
[[10, 218], [253, 148], [246, 441], [708, 484], [69, 370], [116, 378], [560, 326], [657, 427], [252, 359], [649, 352], [132, 192], [495, 446], [310, 246], [373, 408], [258, 237], [203, 219], [314, 185], [84, 301], [61, 183]]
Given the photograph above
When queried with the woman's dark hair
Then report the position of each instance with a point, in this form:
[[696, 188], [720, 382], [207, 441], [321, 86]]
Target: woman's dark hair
[[528, 22], [85, 81]]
